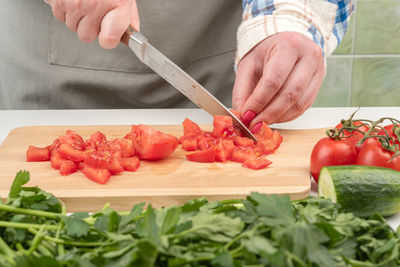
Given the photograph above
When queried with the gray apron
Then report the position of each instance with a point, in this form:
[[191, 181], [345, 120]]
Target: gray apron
[[44, 66]]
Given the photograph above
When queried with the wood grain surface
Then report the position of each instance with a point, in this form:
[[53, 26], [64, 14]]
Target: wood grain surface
[[171, 181]]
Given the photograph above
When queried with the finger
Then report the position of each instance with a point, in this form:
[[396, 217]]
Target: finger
[[291, 91], [114, 24], [58, 9], [89, 28], [275, 72], [135, 20], [245, 81], [76, 10], [306, 100]]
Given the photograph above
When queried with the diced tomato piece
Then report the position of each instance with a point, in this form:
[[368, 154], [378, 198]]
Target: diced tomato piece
[[114, 166], [206, 142], [37, 154], [242, 141], [152, 144], [202, 156], [54, 145], [98, 137], [223, 126], [257, 163], [268, 139], [81, 165], [73, 139], [56, 160], [190, 127], [240, 154], [127, 149], [110, 148], [67, 167], [189, 143], [100, 176], [69, 152], [130, 164]]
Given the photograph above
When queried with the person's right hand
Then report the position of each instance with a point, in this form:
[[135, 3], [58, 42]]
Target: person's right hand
[[105, 19]]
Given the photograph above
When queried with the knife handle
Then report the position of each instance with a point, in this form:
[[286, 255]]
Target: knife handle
[[125, 37]]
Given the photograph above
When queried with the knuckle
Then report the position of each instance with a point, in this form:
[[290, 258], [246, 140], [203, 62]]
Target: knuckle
[[294, 95], [300, 107], [316, 51], [274, 82]]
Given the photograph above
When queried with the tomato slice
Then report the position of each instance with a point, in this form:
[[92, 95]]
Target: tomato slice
[[37, 154], [257, 163], [202, 156], [152, 144], [67, 167], [190, 127], [69, 152], [100, 176], [130, 164]]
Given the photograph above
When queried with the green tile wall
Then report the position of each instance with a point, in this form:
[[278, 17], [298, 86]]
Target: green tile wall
[[365, 69]]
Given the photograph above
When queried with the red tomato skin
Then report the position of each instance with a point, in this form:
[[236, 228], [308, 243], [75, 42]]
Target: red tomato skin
[[373, 154], [389, 129], [100, 176], [330, 152], [67, 167], [37, 154], [151, 144], [257, 163], [56, 160], [69, 152], [190, 127], [130, 164], [202, 156], [354, 136], [242, 141], [240, 154], [268, 140]]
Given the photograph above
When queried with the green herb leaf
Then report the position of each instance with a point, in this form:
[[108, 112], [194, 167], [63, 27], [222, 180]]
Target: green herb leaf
[[20, 179]]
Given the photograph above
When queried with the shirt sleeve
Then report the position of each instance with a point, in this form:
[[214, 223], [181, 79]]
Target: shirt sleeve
[[323, 21]]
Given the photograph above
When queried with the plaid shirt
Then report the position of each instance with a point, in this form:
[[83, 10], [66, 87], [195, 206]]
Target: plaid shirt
[[324, 21]]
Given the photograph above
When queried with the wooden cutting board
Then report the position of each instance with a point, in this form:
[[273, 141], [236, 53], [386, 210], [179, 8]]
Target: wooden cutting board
[[167, 182]]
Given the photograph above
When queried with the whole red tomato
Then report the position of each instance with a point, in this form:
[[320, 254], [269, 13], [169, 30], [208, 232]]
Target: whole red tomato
[[373, 154], [329, 152], [353, 136], [390, 130]]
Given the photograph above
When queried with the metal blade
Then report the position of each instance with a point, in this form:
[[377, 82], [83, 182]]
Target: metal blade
[[181, 80]]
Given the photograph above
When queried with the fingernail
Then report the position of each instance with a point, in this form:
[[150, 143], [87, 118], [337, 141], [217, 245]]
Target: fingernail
[[256, 128], [248, 116]]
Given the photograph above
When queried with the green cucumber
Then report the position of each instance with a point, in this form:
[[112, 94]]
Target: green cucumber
[[363, 190]]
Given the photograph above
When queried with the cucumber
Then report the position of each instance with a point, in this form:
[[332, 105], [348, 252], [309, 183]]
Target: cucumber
[[363, 190]]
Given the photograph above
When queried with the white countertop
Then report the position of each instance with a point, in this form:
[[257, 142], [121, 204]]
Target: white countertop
[[312, 118]]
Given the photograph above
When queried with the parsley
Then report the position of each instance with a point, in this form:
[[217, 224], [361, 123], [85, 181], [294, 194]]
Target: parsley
[[260, 230]]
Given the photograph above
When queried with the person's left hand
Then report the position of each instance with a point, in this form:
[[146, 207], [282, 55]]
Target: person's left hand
[[278, 80]]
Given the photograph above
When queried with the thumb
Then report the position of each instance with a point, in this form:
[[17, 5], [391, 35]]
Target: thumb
[[135, 20], [245, 82]]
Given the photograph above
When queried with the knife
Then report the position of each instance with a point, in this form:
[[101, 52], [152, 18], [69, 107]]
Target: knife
[[178, 78]]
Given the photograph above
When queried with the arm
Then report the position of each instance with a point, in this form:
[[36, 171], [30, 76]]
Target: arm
[[282, 46]]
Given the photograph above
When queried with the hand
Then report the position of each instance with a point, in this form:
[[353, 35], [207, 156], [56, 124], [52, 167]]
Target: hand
[[278, 79], [105, 19]]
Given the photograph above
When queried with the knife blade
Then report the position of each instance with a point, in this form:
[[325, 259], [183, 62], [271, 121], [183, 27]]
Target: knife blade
[[178, 78]]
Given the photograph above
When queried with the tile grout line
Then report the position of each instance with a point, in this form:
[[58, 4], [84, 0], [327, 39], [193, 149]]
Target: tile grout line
[[349, 93]]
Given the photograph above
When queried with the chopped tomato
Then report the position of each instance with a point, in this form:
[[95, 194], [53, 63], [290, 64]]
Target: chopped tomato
[[240, 154], [73, 139], [223, 126], [206, 142], [242, 141], [67, 167], [130, 164], [37, 154], [54, 145], [268, 139], [56, 160], [189, 143], [126, 147], [98, 137], [100, 176], [256, 163], [69, 152], [202, 156], [103, 160], [190, 127], [152, 144]]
